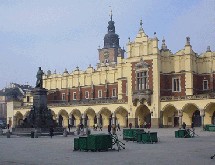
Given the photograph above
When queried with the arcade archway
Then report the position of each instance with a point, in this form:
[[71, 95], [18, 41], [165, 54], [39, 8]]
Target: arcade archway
[[142, 115], [170, 116], [105, 117], [209, 114], [18, 119], [63, 118], [191, 114], [90, 117], [76, 117], [121, 117]]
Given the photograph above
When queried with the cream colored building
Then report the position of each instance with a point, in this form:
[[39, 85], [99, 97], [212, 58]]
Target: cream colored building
[[151, 85]]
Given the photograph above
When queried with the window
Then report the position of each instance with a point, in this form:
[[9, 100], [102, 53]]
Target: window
[[205, 84], [106, 61], [74, 96], [142, 80], [55, 97], [28, 99], [99, 93], [86, 95], [114, 92], [63, 96], [176, 85]]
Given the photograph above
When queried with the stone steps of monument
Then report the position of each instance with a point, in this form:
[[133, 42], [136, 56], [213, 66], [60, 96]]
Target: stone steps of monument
[[39, 134]]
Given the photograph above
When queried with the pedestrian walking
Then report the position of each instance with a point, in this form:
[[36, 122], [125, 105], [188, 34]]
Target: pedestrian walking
[[184, 125], [130, 125], [51, 131], [109, 129], [69, 126], [118, 127], [113, 129]]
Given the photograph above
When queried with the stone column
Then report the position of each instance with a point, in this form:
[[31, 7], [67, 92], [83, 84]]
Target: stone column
[[83, 119], [114, 119], [70, 120], [14, 122], [98, 119], [202, 114], [57, 120], [180, 114]]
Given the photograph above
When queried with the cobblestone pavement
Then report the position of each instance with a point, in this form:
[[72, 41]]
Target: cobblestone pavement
[[59, 151]]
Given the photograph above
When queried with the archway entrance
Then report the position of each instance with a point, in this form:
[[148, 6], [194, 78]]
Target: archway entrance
[[170, 116], [90, 117], [18, 119], [121, 117], [63, 118], [196, 119], [105, 117], [191, 114], [209, 117], [142, 115], [76, 117]]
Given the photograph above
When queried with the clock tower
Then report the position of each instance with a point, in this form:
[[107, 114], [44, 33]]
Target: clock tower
[[111, 50]]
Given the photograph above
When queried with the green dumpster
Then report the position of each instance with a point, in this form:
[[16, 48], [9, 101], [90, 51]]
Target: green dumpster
[[138, 134], [139, 137], [76, 144], [98, 142], [209, 127], [83, 143], [131, 134], [176, 134], [128, 134], [150, 137], [183, 134]]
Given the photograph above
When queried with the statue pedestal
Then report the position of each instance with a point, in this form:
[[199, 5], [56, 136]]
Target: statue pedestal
[[39, 98]]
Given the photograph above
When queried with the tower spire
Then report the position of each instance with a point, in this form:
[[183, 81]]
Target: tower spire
[[141, 25], [163, 47], [111, 14]]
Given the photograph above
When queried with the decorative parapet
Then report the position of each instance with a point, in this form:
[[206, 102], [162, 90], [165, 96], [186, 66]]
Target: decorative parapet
[[189, 97], [86, 102], [58, 103], [141, 96]]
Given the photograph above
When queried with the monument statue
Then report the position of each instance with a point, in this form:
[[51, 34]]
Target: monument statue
[[39, 83], [40, 116]]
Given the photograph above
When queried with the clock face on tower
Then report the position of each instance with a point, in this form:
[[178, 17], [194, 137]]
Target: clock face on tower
[[106, 55]]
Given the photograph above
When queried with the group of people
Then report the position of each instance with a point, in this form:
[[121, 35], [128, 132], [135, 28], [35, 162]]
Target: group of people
[[96, 126], [147, 125], [114, 128], [184, 125]]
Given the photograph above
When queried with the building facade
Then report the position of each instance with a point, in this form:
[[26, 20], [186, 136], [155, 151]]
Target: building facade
[[150, 85]]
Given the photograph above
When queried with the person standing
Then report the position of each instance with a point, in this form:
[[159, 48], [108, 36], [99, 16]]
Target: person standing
[[109, 129], [192, 126], [51, 131], [184, 125], [130, 125], [118, 127], [69, 126], [113, 129]]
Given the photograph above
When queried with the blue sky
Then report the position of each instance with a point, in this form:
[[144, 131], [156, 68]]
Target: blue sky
[[59, 34]]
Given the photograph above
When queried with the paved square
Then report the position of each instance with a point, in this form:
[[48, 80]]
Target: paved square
[[59, 151]]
